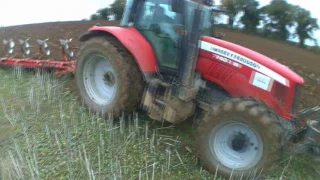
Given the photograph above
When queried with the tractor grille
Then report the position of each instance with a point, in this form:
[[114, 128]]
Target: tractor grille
[[221, 73]]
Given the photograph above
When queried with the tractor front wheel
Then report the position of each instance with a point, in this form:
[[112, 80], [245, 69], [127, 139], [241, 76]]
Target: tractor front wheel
[[239, 137], [107, 77]]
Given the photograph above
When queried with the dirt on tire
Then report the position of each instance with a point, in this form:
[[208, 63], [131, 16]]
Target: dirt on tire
[[253, 114], [126, 73]]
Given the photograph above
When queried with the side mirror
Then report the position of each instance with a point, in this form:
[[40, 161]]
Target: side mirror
[[177, 6]]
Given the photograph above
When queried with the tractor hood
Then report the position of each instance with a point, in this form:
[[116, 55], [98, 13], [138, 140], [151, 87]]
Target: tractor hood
[[251, 59]]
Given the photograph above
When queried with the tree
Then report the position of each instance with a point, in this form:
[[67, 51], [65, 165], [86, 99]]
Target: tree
[[101, 14], [306, 25], [94, 17], [278, 18], [117, 8], [251, 17], [232, 7]]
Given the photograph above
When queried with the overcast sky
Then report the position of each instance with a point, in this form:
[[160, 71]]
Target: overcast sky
[[15, 12]]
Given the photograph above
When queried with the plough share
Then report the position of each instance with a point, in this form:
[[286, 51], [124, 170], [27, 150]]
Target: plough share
[[63, 66]]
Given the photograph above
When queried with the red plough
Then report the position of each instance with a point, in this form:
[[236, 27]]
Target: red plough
[[63, 66]]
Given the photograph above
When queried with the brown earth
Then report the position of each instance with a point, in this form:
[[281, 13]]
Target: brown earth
[[305, 63]]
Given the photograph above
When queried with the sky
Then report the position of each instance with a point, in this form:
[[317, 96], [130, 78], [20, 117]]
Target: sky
[[17, 12]]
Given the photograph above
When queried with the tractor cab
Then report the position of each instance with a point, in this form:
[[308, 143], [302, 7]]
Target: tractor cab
[[169, 26]]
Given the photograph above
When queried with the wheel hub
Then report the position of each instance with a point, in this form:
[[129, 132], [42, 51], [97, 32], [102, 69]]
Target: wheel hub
[[109, 78], [99, 80], [235, 145], [239, 142]]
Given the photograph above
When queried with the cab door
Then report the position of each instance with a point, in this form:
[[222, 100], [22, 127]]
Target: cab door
[[158, 24]]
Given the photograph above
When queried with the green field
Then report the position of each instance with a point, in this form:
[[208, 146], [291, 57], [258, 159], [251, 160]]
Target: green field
[[46, 134]]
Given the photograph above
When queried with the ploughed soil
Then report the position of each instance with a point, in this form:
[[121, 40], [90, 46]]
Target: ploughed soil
[[305, 63]]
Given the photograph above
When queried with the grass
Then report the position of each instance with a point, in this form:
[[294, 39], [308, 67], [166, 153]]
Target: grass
[[46, 134]]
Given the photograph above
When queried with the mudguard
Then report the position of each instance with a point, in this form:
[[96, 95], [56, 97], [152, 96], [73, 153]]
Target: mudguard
[[136, 44]]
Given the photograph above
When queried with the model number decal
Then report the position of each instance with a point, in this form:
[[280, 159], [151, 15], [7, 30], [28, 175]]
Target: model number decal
[[225, 60]]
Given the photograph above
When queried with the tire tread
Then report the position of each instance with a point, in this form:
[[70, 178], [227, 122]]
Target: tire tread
[[129, 74]]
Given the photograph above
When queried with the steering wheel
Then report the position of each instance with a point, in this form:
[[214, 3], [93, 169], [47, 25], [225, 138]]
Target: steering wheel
[[179, 29], [155, 28], [158, 32]]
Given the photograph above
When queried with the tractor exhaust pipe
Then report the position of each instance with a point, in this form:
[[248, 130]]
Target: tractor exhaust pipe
[[190, 56]]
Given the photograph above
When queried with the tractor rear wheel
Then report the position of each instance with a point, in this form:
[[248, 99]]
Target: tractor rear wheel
[[108, 80], [239, 137]]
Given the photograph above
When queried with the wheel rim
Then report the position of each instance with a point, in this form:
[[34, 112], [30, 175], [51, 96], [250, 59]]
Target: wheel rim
[[99, 80], [235, 145]]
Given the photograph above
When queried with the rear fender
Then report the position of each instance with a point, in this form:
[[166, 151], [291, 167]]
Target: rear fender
[[136, 44]]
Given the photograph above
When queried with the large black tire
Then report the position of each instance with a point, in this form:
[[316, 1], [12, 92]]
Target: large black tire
[[250, 113], [126, 76]]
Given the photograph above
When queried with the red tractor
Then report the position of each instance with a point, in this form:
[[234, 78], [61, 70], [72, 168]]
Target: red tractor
[[166, 57]]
